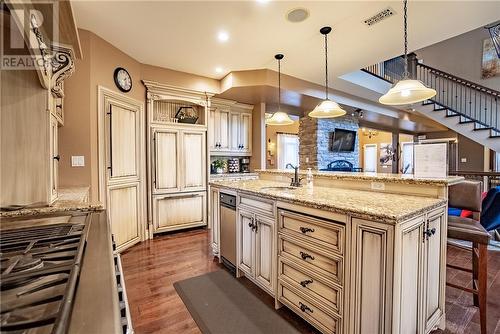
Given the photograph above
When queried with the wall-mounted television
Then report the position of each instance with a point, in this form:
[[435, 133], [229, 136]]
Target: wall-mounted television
[[342, 140]]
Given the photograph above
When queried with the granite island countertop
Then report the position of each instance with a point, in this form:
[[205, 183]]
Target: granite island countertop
[[384, 207], [69, 199], [370, 176]]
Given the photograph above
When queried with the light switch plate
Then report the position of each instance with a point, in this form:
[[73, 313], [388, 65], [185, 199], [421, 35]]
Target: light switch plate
[[77, 161]]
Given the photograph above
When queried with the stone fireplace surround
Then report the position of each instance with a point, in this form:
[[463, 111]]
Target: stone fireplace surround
[[314, 144]]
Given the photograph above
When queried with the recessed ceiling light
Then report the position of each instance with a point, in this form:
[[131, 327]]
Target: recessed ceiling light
[[297, 15], [223, 36], [262, 1], [218, 69]]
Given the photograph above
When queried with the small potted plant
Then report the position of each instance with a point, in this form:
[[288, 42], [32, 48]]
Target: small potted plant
[[219, 166]]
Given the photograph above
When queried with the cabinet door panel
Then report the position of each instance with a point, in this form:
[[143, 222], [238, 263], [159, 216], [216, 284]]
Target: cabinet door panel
[[411, 258], [369, 280], [245, 130], [215, 219], [123, 211], [246, 241], [166, 169], [193, 152], [211, 130], [234, 135], [223, 129], [434, 261], [176, 211], [122, 155], [54, 158], [264, 252]]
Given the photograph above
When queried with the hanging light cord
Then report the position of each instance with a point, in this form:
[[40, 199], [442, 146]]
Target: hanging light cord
[[406, 74], [326, 66], [279, 84]]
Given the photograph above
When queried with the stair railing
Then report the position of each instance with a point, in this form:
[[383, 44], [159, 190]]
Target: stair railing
[[474, 102]]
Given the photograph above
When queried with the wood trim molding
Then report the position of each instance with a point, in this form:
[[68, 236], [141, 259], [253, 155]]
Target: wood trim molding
[[158, 91]]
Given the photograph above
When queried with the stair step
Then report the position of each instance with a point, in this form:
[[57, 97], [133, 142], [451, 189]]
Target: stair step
[[467, 122], [427, 102], [486, 128], [452, 115], [440, 108]]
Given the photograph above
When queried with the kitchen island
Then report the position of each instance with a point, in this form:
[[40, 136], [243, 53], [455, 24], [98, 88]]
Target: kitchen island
[[346, 255]]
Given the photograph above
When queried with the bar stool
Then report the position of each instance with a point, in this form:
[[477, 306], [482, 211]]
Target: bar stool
[[467, 195]]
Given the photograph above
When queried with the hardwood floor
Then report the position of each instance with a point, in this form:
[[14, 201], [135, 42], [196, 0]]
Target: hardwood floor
[[151, 268]]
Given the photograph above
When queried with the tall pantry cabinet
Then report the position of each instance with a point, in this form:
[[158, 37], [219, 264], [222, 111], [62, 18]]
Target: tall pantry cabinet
[[177, 157]]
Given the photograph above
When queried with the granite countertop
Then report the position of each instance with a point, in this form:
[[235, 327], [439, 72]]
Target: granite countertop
[[369, 176], [70, 199], [384, 207], [229, 175]]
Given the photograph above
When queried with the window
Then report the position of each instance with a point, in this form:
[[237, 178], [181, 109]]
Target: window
[[407, 158], [288, 150]]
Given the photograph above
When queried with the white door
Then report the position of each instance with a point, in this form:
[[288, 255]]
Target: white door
[[193, 160], [264, 252], [121, 123], [166, 169], [407, 158], [370, 158], [246, 242]]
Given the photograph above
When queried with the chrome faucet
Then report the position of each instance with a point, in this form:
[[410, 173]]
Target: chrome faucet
[[295, 179]]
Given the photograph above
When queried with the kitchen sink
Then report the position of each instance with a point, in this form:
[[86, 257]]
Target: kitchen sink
[[278, 188]]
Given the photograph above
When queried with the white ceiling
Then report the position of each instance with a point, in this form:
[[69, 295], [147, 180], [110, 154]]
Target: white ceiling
[[181, 35]]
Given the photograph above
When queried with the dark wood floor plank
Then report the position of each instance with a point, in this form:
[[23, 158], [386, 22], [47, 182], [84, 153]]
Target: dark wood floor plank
[[151, 268]]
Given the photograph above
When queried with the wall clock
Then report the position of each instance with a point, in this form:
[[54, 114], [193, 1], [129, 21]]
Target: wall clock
[[122, 79]]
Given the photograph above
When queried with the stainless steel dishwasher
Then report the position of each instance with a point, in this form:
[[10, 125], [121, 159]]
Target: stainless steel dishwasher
[[228, 230]]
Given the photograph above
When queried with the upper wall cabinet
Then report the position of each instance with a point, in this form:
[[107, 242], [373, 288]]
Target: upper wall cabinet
[[230, 128]]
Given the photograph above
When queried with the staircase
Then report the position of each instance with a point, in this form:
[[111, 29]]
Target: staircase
[[461, 105]]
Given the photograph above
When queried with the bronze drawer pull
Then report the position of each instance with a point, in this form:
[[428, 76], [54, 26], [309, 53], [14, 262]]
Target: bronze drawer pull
[[306, 229], [304, 307], [304, 283], [306, 256]]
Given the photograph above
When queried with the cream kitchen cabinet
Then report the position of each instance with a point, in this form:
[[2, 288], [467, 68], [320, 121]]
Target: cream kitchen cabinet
[[180, 210], [214, 220], [230, 128], [179, 160], [256, 247], [219, 130]]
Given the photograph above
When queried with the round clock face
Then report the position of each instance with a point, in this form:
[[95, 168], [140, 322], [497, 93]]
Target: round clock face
[[122, 79]]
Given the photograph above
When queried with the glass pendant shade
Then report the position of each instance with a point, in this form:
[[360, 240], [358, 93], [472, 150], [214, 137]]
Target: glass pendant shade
[[407, 91], [279, 118], [327, 109]]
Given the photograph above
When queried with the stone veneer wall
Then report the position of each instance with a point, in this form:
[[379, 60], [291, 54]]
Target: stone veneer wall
[[314, 137]]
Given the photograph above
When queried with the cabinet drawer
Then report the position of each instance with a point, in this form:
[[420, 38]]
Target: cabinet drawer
[[317, 231], [309, 311], [329, 265], [307, 282], [260, 205], [173, 212]]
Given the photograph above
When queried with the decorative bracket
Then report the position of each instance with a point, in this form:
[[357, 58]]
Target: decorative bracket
[[63, 66]]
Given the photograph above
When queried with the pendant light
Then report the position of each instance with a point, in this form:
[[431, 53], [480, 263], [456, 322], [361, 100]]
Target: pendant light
[[407, 91], [279, 117], [327, 108]]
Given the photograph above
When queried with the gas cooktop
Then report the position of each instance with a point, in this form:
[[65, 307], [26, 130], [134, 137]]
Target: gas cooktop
[[39, 268]]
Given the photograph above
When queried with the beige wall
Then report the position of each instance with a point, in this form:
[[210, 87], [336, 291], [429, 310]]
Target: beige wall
[[271, 141], [381, 138], [461, 56], [79, 134]]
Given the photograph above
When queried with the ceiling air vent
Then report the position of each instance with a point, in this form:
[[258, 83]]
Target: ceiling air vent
[[382, 15]]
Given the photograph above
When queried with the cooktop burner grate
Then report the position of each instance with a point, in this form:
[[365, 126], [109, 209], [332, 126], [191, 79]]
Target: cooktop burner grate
[[39, 268]]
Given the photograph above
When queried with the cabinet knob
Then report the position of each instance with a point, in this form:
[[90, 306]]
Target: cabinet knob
[[306, 229], [304, 283], [306, 256], [304, 307]]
